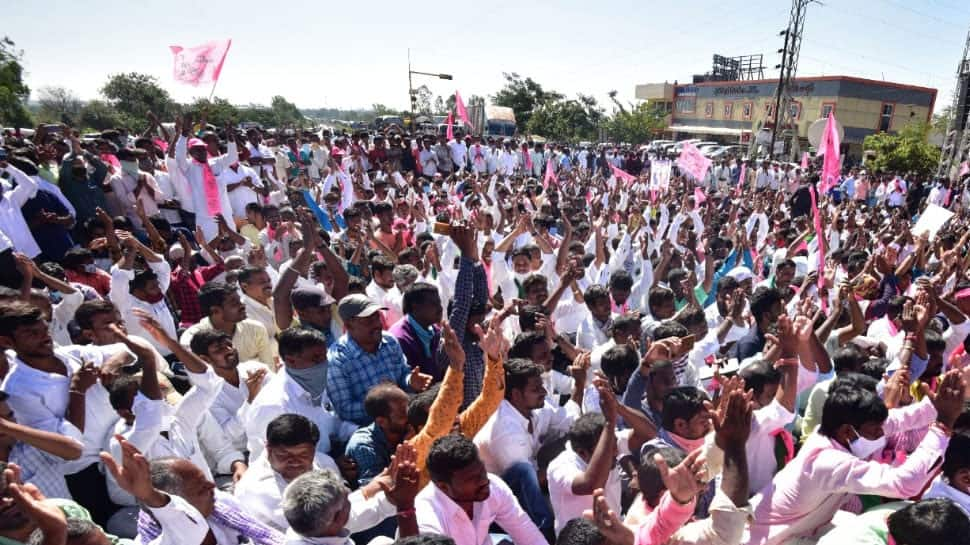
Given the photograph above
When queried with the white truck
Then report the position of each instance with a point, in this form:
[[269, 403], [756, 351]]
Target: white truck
[[492, 121]]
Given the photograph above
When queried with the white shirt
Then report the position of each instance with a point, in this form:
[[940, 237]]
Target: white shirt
[[478, 156], [62, 314], [12, 222], [282, 395], [124, 187], [125, 302], [261, 491], [714, 320], [241, 195], [231, 403], [882, 331], [167, 189], [439, 514], [39, 400], [459, 153], [429, 162], [761, 443], [182, 524], [590, 334], [196, 183], [505, 439], [386, 298], [566, 468]]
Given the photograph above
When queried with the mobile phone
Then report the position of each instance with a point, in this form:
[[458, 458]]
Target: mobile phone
[[687, 343]]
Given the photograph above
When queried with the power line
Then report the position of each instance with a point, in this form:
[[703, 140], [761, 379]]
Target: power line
[[921, 14]]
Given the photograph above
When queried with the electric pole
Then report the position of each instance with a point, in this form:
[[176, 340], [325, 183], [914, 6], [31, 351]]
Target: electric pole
[[787, 70], [956, 145]]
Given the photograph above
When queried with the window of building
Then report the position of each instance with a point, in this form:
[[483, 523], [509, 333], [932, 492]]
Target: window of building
[[686, 105], [728, 110], [770, 110], [827, 108], [795, 110], [708, 110], [746, 110], [886, 117]]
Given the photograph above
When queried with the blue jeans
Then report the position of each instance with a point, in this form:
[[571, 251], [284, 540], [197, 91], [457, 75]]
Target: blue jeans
[[522, 479]]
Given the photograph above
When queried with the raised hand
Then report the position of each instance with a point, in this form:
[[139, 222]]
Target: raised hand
[[254, 382], [492, 342], [608, 522], [687, 479], [404, 477], [732, 420], [49, 518], [134, 474], [452, 347], [948, 399]]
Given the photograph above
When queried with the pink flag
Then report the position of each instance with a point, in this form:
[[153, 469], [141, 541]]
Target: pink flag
[[741, 175], [623, 175], [699, 197], [462, 112], [693, 162], [805, 159], [829, 146], [820, 239], [200, 64], [550, 175], [965, 168], [450, 135]]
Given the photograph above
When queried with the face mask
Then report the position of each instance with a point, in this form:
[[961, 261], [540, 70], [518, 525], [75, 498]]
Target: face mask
[[313, 379], [520, 277], [862, 448], [90, 268], [685, 444]]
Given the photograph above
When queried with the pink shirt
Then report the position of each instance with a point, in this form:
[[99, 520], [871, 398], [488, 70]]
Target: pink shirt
[[806, 494], [664, 521]]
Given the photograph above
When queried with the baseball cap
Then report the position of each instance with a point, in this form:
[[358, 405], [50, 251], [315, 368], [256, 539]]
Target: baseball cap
[[740, 274], [357, 306], [309, 297]]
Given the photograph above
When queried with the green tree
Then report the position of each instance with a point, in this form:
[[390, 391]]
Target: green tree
[[424, 104], [134, 95], [100, 115], [636, 125], [59, 105], [218, 111], [286, 113], [381, 109], [572, 120], [524, 96], [941, 121], [905, 151], [13, 90]]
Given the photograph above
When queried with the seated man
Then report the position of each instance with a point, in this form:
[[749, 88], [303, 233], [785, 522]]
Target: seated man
[[364, 357], [180, 506], [512, 437], [300, 387], [224, 311], [291, 451], [854, 424], [418, 332], [954, 480], [464, 500]]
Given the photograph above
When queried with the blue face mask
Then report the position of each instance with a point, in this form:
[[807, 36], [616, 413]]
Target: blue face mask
[[312, 379], [55, 297], [426, 188]]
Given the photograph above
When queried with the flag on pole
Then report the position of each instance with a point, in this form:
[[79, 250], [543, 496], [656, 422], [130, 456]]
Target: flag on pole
[[820, 238], [526, 157], [450, 135], [200, 64], [741, 176], [699, 197], [462, 112], [829, 146]]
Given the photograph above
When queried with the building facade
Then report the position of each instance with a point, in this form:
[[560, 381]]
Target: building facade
[[734, 111]]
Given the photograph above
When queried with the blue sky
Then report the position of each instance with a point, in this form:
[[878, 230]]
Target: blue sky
[[353, 54]]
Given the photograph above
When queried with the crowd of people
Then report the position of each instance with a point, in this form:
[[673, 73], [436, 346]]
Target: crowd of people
[[269, 337]]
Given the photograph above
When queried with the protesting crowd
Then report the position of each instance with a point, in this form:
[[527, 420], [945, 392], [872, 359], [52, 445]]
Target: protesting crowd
[[215, 336]]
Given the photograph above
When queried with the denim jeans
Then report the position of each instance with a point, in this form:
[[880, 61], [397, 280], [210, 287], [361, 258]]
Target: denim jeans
[[522, 479]]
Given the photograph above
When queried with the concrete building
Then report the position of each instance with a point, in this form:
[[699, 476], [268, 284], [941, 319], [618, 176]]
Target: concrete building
[[733, 111]]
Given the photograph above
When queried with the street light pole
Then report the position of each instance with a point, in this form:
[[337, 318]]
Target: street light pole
[[411, 95]]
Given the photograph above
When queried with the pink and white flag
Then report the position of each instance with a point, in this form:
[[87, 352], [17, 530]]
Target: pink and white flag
[[450, 135], [699, 197], [200, 64], [829, 146], [462, 112], [741, 177], [693, 162], [820, 238], [623, 175]]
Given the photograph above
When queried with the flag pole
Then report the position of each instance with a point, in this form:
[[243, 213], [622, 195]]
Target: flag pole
[[213, 91]]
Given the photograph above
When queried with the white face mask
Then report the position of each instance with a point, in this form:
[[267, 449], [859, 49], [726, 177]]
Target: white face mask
[[863, 448]]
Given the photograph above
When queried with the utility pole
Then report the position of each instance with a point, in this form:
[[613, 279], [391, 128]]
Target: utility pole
[[412, 95], [956, 145], [788, 68]]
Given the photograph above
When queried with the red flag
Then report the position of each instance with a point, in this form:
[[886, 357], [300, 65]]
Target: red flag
[[200, 64], [462, 112], [450, 135]]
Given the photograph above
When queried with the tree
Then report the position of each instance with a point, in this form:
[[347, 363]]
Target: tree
[[636, 125], [218, 111], [905, 151], [99, 115], [523, 96], [286, 113], [13, 90], [134, 95], [574, 120], [424, 104], [381, 109], [941, 121], [59, 105]]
